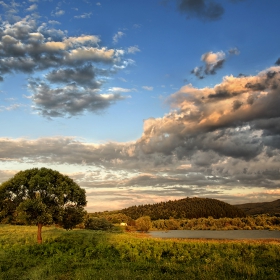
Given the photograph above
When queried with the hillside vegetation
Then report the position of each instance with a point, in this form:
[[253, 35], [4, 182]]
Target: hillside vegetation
[[187, 208], [271, 208]]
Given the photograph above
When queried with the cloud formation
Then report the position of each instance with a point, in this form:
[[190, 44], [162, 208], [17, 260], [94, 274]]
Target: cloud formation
[[78, 65], [70, 100], [133, 49], [220, 138], [212, 62], [209, 10], [117, 36]]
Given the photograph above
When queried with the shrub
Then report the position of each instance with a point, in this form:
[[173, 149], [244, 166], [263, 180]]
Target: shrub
[[144, 223], [98, 224]]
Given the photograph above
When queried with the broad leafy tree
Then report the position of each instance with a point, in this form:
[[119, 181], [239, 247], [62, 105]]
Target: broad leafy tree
[[42, 197]]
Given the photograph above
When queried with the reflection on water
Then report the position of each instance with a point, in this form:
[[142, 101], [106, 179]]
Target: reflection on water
[[218, 234]]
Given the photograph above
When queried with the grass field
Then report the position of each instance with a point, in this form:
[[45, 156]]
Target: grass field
[[84, 254]]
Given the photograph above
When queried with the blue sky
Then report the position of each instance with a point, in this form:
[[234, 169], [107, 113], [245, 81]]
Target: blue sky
[[143, 101]]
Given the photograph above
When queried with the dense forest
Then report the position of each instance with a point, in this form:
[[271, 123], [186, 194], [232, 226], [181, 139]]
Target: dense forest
[[272, 208], [187, 208]]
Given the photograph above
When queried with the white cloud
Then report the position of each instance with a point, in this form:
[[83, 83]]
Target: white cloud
[[84, 15], [148, 88], [133, 49], [58, 12], [119, 89], [117, 36], [32, 8]]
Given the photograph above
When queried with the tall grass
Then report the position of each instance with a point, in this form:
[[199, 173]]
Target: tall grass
[[85, 254]]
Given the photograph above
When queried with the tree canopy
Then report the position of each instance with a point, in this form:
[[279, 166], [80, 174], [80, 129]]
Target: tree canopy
[[188, 208], [41, 197]]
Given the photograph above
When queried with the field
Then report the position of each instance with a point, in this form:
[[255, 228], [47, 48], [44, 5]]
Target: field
[[85, 254]]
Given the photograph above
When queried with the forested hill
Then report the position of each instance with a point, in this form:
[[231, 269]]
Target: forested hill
[[261, 208], [185, 208]]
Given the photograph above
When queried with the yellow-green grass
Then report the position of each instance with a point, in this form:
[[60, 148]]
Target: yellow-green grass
[[85, 254]]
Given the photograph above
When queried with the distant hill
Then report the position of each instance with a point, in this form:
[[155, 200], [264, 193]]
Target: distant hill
[[271, 208], [185, 208]]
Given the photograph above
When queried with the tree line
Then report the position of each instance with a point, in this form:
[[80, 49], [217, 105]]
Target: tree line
[[187, 208]]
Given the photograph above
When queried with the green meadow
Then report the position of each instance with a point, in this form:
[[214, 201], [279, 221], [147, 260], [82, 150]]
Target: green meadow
[[85, 254]]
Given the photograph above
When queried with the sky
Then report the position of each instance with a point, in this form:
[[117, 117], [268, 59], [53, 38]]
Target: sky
[[143, 101]]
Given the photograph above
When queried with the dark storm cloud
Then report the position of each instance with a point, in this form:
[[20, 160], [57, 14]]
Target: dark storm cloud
[[206, 10]]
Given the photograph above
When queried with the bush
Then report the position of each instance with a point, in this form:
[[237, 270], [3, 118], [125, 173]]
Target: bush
[[98, 224], [144, 223]]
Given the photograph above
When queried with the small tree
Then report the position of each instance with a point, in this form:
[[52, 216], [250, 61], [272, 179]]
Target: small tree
[[143, 223], [72, 216], [42, 197], [95, 223]]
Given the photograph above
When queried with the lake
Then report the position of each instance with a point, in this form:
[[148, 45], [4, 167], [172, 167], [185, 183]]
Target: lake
[[217, 234]]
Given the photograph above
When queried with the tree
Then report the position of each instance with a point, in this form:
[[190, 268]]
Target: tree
[[72, 216], [143, 223], [41, 197], [95, 223]]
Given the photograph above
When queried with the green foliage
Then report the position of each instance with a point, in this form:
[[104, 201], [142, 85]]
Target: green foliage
[[95, 223], [143, 223], [272, 208], [246, 223], [39, 196], [187, 208], [33, 211], [86, 254], [72, 216]]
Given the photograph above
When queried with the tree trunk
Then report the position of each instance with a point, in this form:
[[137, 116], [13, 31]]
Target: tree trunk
[[39, 234]]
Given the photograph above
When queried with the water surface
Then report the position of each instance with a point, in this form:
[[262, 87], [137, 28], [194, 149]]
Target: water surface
[[218, 234]]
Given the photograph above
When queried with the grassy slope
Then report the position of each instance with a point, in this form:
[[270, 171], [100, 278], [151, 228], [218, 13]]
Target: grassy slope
[[260, 208], [83, 254]]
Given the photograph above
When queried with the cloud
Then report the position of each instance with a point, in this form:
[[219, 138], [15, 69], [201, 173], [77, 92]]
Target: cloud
[[84, 15], [120, 90], [220, 142], [117, 36], [32, 8], [11, 107], [53, 22], [82, 76], [206, 10], [58, 12], [234, 51], [212, 62], [277, 62], [133, 49], [6, 175], [76, 64], [148, 88], [218, 119], [69, 100]]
